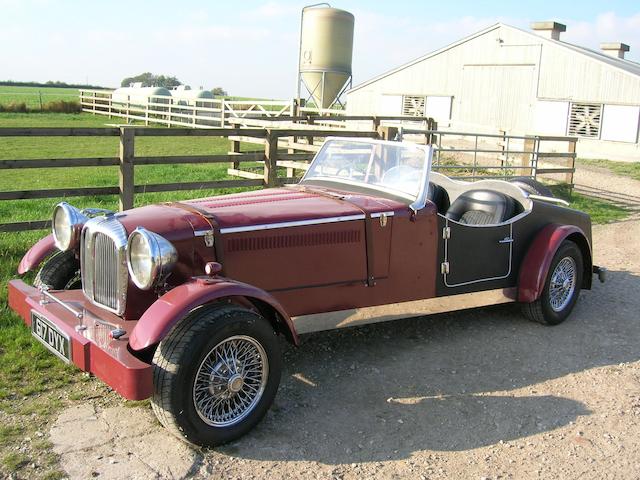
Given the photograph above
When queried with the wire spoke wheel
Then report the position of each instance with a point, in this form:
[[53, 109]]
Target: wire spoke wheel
[[230, 381], [563, 283]]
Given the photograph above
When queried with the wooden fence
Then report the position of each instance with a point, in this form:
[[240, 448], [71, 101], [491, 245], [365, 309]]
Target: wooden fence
[[219, 113], [127, 160]]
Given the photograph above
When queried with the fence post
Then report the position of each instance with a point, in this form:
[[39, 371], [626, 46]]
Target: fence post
[[222, 112], [310, 121], [571, 163], [125, 175], [234, 147], [386, 132], [271, 159], [527, 159], [376, 123]]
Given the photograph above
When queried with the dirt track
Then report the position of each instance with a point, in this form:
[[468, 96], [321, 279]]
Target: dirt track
[[478, 394]]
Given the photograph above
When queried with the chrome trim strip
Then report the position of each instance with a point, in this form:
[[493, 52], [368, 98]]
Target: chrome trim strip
[[361, 316], [299, 223], [386, 214], [202, 233]]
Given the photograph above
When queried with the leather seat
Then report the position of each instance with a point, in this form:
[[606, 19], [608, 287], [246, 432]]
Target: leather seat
[[439, 196], [482, 207]]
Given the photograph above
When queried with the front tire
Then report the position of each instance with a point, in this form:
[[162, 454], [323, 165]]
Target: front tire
[[216, 374], [60, 272], [561, 288]]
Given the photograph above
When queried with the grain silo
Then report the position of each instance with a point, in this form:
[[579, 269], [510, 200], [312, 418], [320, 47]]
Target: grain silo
[[326, 48]]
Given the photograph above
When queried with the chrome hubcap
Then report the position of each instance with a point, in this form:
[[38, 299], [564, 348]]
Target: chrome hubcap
[[230, 381], [563, 284]]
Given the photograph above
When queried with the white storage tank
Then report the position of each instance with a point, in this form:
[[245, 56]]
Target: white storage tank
[[138, 95], [326, 49], [184, 95]]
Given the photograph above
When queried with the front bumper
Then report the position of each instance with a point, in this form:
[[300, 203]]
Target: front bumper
[[92, 348]]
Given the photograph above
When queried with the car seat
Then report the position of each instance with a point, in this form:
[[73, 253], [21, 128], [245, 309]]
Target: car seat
[[482, 207]]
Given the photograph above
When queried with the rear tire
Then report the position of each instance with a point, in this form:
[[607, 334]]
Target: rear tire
[[216, 374], [561, 288], [60, 272], [532, 186]]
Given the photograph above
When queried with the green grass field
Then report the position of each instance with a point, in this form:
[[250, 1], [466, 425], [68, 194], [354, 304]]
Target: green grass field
[[32, 95], [33, 383]]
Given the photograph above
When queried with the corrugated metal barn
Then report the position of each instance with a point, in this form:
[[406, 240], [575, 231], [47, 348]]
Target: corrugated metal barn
[[522, 82]]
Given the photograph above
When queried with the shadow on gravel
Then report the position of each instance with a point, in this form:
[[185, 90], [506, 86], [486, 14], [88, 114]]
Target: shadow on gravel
[[440, 383]]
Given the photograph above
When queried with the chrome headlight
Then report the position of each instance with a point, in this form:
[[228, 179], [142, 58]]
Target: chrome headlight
[[150, 258], [67, 225]]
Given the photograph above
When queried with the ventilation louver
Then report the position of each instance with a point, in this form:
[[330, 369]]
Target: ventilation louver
[[584, 120], [413, 105]]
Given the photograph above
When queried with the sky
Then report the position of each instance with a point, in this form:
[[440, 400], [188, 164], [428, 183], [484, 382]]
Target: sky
[[249, 47]]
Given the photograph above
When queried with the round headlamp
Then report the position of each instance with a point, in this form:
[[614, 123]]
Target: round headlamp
[[67, 225], [150, 258]]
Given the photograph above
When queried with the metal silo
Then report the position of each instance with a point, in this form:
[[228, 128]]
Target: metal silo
[[326, 48]]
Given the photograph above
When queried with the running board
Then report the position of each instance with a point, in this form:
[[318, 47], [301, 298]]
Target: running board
[[362, 316]]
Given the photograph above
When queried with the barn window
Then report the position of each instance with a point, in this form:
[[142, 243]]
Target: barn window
[[585, 120], [413, 105]]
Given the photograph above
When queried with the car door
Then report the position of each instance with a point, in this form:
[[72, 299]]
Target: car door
[[475, 253]]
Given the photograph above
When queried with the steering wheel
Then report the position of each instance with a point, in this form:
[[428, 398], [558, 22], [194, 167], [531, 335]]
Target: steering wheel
[[401, 176]]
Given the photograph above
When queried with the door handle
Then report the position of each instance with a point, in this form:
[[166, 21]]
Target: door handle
[[506, 240]]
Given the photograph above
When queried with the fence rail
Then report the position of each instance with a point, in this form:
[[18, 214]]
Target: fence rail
[[287, 148], [485, 155], [127, 161]]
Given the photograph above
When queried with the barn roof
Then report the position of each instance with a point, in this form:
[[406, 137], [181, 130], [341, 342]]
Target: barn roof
[[625, 65]]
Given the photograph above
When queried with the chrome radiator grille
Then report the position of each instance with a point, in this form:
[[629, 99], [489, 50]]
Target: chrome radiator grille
[[103, 263]]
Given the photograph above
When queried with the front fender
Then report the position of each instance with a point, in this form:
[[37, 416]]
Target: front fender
[[536, 263], [176, 304], [36, 254]]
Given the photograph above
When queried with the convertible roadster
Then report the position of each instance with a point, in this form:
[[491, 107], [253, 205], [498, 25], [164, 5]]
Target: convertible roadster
[[183, 302]]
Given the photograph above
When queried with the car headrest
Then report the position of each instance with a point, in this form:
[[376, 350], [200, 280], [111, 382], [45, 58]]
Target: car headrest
[[439, 196]]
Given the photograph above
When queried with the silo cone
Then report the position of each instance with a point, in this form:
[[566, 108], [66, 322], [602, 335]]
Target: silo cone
[[325, 52]]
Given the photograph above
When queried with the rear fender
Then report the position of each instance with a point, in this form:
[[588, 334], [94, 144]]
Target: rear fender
[[36, 254], [172, 307], [536, 263]]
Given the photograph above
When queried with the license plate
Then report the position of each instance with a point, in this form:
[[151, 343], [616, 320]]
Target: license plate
[[49, 335]]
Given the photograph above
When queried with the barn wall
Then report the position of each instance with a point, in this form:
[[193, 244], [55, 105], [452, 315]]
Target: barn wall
[[507, 79]]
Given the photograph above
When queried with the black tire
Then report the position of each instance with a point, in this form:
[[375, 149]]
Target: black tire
[[542, 310], [60, 272], [532, 186], [179, 357]]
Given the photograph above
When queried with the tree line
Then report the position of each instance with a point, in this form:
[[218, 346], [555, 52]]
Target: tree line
[[148, 79]]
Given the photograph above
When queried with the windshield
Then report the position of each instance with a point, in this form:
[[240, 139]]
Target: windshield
[[398, 168]]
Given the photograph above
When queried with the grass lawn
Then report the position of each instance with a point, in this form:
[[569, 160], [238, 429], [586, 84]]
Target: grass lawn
[[34, 384], [31, 95], [31, 379], [627, 169]]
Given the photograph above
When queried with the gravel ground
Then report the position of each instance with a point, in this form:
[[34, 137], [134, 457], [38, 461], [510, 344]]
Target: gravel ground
[[476, 394]]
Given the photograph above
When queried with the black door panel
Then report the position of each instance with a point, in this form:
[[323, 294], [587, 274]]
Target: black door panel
[[476, 253]]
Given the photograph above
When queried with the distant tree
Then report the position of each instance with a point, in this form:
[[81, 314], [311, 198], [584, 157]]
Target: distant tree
[[149, 79], [219, 92]]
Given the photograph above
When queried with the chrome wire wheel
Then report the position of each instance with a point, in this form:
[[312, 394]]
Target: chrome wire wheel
[[230, 381], [563, 284]]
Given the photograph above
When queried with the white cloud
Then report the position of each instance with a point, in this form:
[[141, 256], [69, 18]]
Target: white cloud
[[606, 27]]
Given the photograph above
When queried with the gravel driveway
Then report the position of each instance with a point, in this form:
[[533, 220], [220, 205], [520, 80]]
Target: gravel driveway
[[476, 394]]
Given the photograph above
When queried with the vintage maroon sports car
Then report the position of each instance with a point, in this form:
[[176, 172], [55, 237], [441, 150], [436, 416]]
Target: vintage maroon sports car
[[182, 302]]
